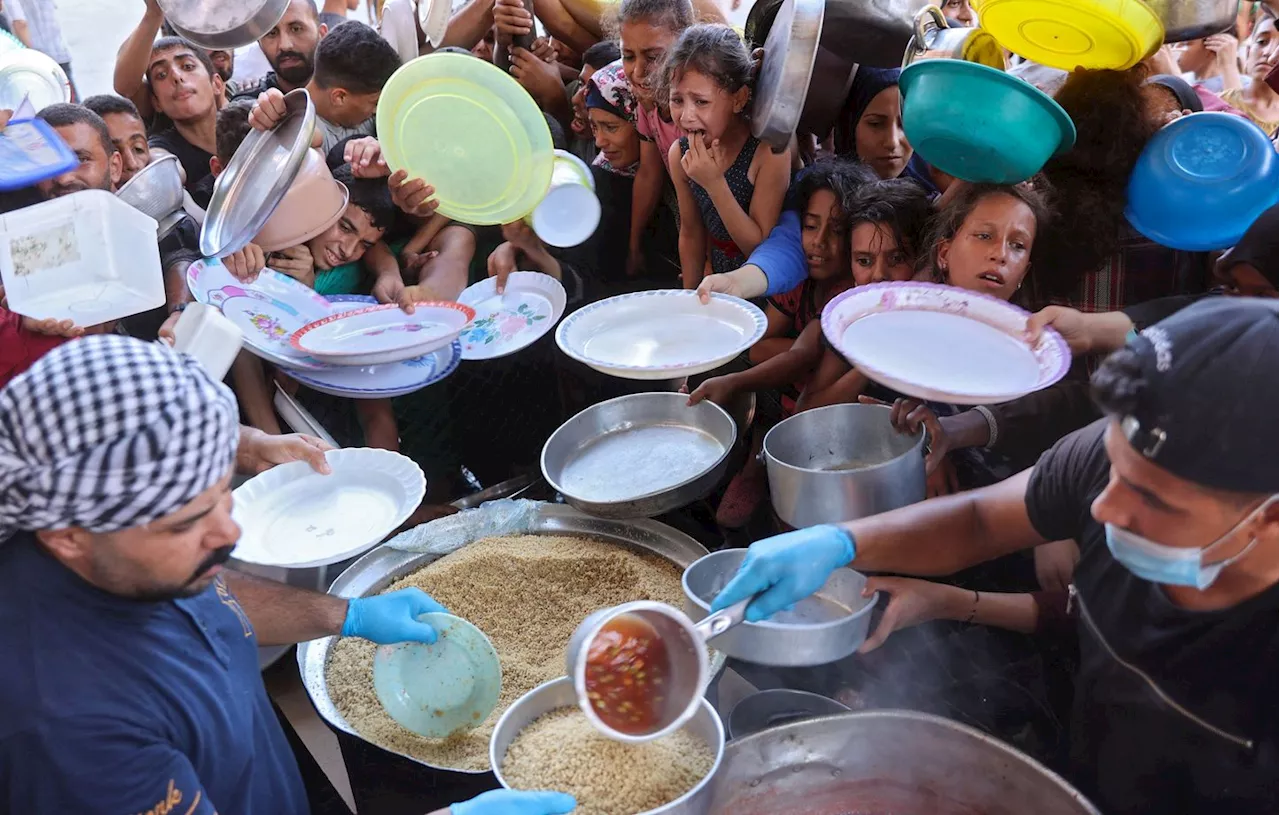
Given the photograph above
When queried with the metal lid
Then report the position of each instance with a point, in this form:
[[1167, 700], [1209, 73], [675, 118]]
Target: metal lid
[[783, 84], [30, 74], [256, 178]]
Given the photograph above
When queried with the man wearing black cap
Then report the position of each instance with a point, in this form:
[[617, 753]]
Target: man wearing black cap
[[1172, 499]]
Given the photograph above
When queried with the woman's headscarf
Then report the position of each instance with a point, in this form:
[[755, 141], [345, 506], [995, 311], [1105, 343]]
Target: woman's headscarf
[[868, 82], [609, 90]]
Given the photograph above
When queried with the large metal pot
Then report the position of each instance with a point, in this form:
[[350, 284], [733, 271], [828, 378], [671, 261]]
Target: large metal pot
[[383, 566], [1192, 19], [221, 25], [840, 463], [885, 761]]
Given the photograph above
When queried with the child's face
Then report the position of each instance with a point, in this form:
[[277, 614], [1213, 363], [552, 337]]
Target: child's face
[[991, 251], [644, 46], [701, 108], [876, 255], [346, 241], [825, 236]]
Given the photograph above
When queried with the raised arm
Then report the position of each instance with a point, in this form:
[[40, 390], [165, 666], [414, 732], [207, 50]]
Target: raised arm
[[131, 59]]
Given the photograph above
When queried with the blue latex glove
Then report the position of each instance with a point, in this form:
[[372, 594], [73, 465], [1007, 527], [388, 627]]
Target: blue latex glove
[[391, 618], [786, 569], [516, 802]]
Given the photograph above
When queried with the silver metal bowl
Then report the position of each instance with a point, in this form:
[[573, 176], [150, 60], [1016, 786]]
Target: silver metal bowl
[[156, 189], [383, 566], [559, 693], [221, 25], [828, 625], [639, 455]]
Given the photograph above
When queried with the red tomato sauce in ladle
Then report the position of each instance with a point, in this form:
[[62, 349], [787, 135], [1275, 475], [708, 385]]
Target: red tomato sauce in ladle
[[627, 671]]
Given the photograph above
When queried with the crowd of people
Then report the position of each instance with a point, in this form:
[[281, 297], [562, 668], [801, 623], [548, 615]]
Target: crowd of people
[[656, 96]]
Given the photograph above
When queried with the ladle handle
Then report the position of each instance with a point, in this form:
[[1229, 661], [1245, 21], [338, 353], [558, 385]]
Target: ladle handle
[[713, 625]]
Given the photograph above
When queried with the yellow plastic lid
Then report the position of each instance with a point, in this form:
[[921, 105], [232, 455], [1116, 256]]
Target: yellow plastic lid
[[472, 132], [1067, 34]]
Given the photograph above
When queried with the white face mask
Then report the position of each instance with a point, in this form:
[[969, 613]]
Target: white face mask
[[1172, 565]]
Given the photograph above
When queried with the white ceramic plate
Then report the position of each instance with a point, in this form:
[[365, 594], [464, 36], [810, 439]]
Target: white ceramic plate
[[381, 334], [662, 334], [942, 343], [528, 308], [295, 517], [269, 310]]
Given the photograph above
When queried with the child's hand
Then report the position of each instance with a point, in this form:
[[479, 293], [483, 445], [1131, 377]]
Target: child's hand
[[520, 235], [269, 110], [52, 327], [911, 602], [703, 164], [908, 416], [365, 157], [296, 261], [718, 389], [412, 195], [502, 262], [246, 264], [540, 78]]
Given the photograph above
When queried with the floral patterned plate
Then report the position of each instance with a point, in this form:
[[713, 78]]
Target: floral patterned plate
[[378, 335], [529, 307], [942, 343]]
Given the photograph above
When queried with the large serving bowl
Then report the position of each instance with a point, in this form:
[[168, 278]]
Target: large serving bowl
[[559, 693], [383, 566]]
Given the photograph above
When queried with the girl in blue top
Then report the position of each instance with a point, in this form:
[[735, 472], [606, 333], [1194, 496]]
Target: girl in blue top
[[869, 130], [729, 191]]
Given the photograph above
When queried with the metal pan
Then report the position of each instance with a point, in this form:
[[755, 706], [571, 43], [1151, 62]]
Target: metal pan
[[256, 179], [223, 24], [783, 85], [826, 626], [640, 455]]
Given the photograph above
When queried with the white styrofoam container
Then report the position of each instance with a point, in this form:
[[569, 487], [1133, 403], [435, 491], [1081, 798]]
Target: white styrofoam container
[[208, 336], [87, 257]]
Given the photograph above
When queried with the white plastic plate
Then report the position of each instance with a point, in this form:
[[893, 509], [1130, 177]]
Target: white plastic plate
[[381, 334], [293, 516], [664, 334], [942, 343], [528, 308]]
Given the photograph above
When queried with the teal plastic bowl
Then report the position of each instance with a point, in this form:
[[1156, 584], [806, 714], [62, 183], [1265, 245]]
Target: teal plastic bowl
[[980, 124], [1202, 181], [449, 686]]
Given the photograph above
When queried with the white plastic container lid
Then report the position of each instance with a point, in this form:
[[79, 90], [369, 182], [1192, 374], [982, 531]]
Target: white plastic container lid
[[87, 257]]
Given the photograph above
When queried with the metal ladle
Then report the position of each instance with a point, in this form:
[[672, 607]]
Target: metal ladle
[[686, 646]]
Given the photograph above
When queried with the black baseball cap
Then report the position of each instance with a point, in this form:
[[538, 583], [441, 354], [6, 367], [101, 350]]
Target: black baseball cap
[[1209, 409]]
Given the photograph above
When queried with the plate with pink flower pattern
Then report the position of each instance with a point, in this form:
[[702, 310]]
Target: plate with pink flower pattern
[[530, 306]]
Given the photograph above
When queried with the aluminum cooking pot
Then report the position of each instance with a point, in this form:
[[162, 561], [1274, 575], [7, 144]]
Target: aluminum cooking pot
[[221, 25], [1192, 19], [840, 463], [885, 761], [934, 39]]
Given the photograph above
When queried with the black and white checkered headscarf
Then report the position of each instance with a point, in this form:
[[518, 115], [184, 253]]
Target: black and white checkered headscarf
[[108, 433]]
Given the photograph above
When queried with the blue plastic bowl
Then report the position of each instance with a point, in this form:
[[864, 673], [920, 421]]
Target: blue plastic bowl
[[1202, 181], [980, 124]]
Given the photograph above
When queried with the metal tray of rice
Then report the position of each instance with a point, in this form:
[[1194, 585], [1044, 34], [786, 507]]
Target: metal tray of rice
[[526, 592]]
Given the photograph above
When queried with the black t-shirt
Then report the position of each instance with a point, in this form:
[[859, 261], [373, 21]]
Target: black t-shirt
[[194, 160], [1197, 734]]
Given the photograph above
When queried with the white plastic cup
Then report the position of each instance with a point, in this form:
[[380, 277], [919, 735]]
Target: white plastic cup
[[570, 211], [208, 336]]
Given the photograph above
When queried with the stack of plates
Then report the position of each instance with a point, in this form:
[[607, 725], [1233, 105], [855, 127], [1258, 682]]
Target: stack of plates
[[388, 354]]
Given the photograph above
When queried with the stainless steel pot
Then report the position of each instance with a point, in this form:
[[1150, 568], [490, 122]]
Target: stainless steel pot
[[156, 189], [840, 463], [558, 693], [934, 39], [783, 84], [601, 459], [885, 760], [826, 626], [383, 566], [1192, 19], [221, 25]]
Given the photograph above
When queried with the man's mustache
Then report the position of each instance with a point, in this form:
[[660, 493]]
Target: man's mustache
[[217, 557]]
